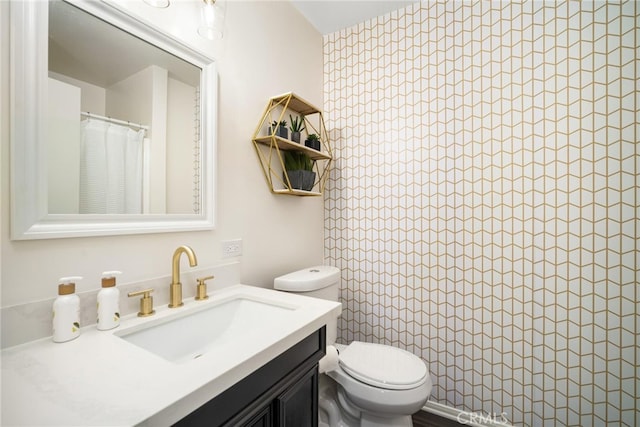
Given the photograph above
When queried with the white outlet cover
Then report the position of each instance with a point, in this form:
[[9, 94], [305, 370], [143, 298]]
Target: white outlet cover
[[232, 248]]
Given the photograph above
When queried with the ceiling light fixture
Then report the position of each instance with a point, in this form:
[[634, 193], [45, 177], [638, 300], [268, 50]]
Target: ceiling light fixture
[[212, 20]]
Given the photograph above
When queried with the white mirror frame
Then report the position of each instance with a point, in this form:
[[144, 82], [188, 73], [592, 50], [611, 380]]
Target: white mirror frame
[[28, 87]]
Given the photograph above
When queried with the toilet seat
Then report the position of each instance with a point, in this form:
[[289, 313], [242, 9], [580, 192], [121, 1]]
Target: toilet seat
[[383, 366]]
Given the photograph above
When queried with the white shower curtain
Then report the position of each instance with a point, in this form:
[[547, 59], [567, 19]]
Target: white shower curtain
[[110, 169]]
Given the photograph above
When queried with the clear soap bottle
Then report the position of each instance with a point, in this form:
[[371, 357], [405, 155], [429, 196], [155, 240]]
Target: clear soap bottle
[[108, 302], [66, 311]]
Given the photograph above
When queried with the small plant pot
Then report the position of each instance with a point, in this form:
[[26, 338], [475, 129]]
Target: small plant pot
[[301, 179], [295, 137], [272, 131], [315, 144], [283, 132]]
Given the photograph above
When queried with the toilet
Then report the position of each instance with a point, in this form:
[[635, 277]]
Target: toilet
[[371, 385]]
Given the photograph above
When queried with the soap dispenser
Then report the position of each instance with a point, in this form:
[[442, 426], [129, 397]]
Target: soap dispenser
[[108, 302], [66, 311]]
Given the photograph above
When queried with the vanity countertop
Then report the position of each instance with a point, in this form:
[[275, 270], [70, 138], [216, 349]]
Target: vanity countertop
[[101, 379]]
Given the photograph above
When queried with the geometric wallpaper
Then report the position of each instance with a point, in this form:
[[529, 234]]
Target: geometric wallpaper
[[485, 201]]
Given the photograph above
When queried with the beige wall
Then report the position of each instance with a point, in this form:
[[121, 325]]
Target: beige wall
[[181, 147], [484, 206], [63, 152], [279, 233], [92, 97]]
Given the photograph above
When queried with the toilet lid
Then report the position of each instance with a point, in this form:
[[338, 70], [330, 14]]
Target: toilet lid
[[383, 366]]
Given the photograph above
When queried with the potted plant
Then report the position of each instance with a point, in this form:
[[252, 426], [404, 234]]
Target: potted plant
[[297, 126], [273, 128], [313, 141], [279, 129], [283, 132], [299, 169]]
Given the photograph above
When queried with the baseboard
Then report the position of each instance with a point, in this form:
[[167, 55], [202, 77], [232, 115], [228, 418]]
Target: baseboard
[[466, 418]]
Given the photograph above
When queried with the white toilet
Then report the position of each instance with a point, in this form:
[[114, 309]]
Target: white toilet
[[372, 384]]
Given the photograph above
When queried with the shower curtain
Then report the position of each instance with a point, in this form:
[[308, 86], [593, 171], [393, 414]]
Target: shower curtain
[[110, 169]]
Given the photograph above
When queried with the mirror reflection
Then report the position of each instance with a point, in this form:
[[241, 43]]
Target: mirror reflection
[[124, 134]]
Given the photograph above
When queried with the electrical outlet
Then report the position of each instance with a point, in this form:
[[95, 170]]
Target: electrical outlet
[[232, 248]]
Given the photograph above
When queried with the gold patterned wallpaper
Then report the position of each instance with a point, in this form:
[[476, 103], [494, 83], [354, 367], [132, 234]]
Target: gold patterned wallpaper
[[485, 200]]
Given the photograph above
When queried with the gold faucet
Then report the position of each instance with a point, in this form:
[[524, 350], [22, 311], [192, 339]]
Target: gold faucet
[[175, 290]]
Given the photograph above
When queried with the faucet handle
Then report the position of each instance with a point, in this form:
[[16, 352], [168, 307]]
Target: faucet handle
[[146, 302], [201, 290]]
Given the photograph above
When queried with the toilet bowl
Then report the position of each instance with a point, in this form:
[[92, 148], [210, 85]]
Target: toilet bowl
[[380, 384], [371, 384]]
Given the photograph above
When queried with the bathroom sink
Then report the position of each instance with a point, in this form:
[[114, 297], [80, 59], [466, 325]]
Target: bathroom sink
[[189, 335]]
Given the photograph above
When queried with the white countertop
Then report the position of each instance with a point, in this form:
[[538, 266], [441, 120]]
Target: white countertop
[[100, 379]]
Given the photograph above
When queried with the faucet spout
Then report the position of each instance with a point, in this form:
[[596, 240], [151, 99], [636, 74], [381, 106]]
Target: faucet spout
[[175, 290]]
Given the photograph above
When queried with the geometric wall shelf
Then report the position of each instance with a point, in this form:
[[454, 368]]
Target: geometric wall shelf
[[270, 147]]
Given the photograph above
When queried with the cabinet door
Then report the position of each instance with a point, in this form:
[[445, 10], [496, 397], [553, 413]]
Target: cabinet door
[[298, 405], [264, 418], [282, 392]]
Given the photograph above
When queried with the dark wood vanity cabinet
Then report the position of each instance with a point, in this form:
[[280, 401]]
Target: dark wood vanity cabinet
[[284, 392]]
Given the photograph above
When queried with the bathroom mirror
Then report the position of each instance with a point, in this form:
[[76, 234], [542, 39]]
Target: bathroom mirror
[[112, 124]]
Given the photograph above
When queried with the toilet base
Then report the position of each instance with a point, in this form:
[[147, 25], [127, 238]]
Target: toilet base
[[404, 421], [329, 412], [335, 410]]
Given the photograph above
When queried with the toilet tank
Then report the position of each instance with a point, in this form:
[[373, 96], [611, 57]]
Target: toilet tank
[[322, 281]]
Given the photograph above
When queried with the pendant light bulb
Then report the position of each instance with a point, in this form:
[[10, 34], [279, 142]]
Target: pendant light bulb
[[161, 4], [211, 20]]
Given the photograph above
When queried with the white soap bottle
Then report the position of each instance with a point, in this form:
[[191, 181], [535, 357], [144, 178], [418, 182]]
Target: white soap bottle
[[66, 311], [108, 302]]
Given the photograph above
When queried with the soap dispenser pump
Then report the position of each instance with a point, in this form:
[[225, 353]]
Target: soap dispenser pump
[[108, 302], [66, 311]]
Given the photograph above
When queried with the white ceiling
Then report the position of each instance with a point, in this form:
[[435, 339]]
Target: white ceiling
[[85, 62], [329, 16], [87, 48]]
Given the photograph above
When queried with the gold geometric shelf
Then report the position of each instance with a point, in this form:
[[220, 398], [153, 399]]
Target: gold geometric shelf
[[269, 146]]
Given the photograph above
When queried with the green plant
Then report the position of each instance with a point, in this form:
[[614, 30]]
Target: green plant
[[313, 137], [297, 124], [295, 160], [283, 123], [274, 124]]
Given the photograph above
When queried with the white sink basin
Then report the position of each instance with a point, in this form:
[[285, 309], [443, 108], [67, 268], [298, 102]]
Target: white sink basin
[[189, 335]]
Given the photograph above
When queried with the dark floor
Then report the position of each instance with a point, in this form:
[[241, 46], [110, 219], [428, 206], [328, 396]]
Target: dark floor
[[426, 419]]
